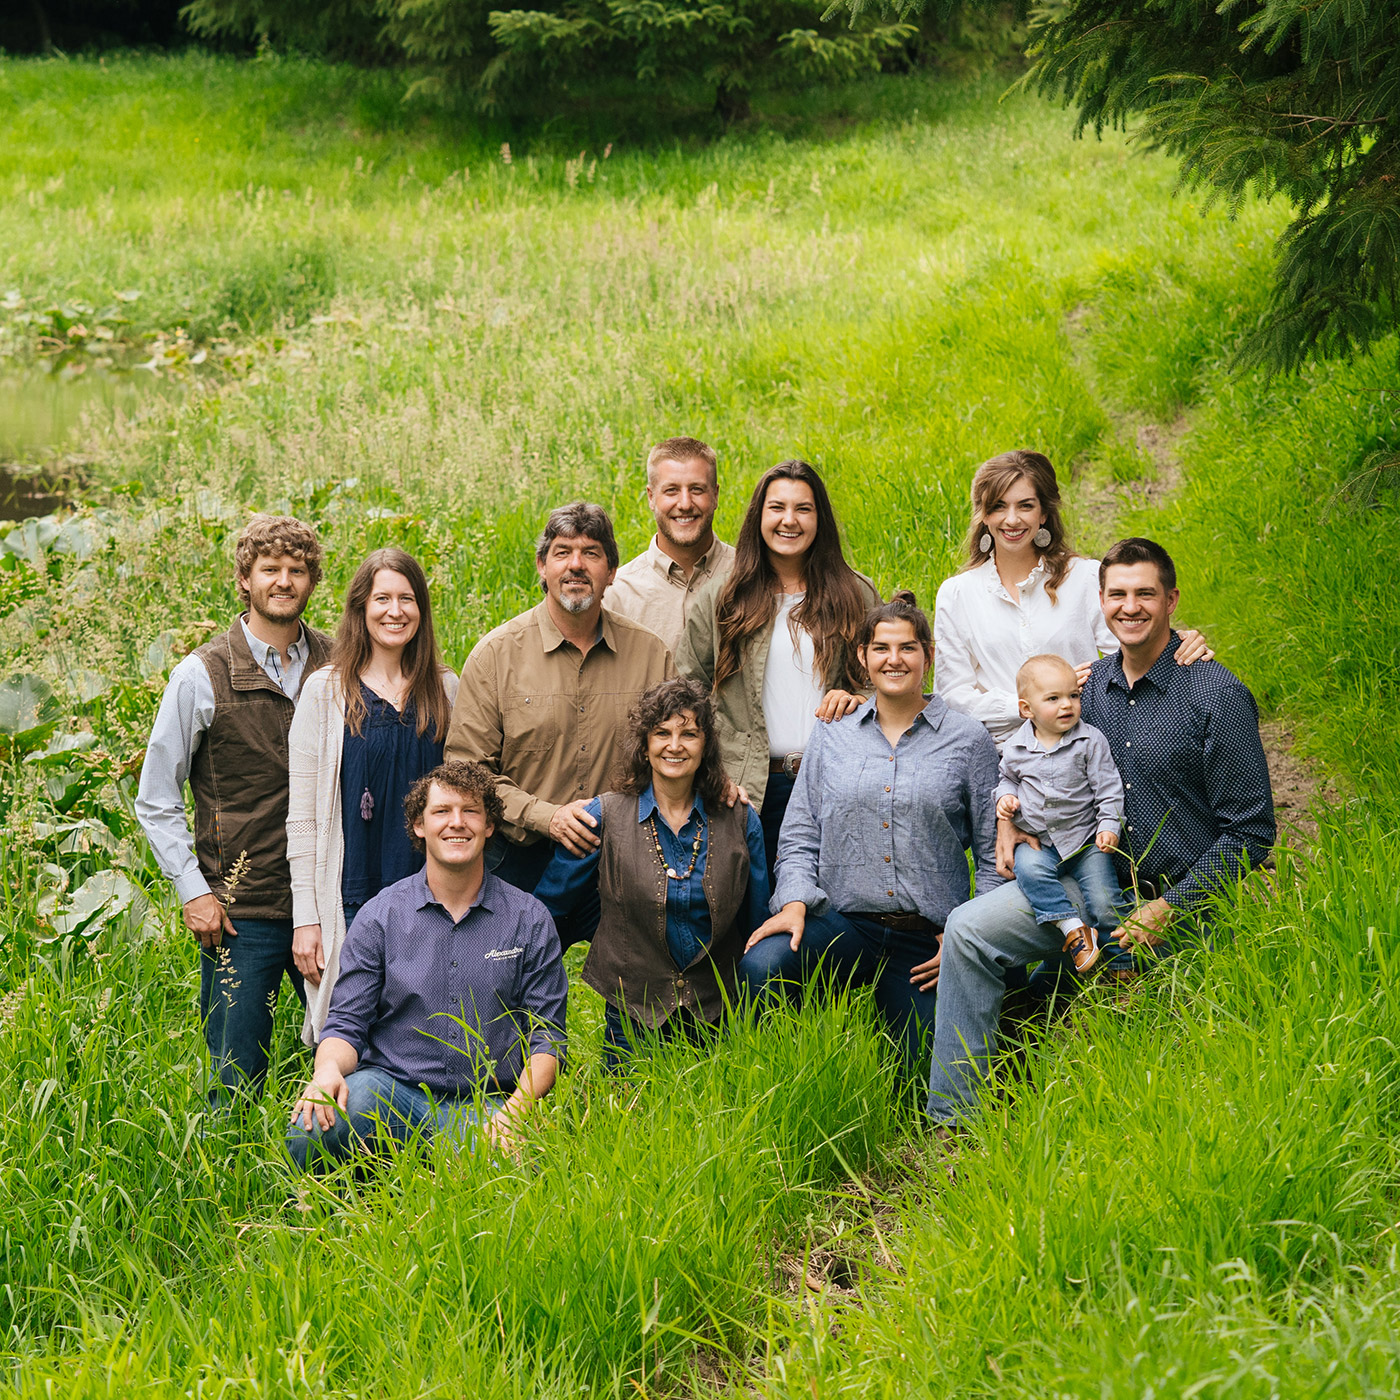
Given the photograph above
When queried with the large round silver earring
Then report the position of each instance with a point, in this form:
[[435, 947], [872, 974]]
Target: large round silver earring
[[1041, 538], [985, 543]]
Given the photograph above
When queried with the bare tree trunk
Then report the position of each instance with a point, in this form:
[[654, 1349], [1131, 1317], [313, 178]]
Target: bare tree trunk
[[41, 23]]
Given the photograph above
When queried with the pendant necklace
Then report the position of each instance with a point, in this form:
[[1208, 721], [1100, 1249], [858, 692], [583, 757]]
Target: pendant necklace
[[672, 873]]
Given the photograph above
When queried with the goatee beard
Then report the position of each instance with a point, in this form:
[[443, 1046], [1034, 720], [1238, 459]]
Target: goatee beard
[[576, 605]]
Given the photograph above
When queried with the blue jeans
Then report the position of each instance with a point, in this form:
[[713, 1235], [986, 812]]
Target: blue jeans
[[1039, 874], [845, 948], [523, 866], [622, 1036], [775, 804], [238, 986], [380, 1110]]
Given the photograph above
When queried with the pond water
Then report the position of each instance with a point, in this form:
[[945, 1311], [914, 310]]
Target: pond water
[[39, 417]]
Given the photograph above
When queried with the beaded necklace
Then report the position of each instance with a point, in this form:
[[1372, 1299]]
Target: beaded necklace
[[661, 856]]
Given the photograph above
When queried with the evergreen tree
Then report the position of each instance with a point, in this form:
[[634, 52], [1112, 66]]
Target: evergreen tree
[[1298, 99]]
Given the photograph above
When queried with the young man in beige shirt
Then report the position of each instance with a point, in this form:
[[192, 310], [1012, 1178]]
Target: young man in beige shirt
[[544, 699], [656, 587]]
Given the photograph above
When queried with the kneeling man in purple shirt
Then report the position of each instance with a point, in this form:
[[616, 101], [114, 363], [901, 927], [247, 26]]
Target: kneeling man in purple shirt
[[448, 981]]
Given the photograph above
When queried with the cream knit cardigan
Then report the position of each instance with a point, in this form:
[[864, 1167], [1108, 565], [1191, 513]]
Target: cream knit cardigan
[[315, 841]]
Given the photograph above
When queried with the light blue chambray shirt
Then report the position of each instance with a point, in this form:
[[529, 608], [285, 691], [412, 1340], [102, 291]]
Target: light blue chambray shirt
[[186, 712], [1069, 793], [875, 829]]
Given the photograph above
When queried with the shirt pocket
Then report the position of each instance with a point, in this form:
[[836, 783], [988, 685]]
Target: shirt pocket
[[529, 724]]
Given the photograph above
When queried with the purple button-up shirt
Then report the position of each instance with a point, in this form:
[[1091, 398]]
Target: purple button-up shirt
[[450, 1005]]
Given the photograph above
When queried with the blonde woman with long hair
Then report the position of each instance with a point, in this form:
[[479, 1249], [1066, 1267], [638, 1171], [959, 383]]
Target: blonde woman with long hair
[[1023, 591], [367, 727]]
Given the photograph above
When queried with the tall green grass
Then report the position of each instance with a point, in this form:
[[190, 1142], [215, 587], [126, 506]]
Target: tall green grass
[[407, 338]]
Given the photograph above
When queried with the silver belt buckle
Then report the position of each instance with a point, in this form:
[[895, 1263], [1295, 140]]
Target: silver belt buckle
[[790, 763]]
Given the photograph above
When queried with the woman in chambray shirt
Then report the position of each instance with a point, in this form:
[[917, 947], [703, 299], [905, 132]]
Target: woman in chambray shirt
[[873, 852]]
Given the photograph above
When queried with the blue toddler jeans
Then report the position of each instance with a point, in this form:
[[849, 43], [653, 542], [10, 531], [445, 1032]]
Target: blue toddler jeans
[[380, 1109], [1038, 874]]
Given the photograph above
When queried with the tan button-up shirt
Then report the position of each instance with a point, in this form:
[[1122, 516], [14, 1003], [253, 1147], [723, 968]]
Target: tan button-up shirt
[[652, 588], [547, 719]]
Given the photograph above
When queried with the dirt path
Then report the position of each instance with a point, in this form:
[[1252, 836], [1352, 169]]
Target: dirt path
[[1097, 506]]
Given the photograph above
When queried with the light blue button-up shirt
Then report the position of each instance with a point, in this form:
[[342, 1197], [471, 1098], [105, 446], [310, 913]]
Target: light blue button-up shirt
[[1068, 794], [878, 829]]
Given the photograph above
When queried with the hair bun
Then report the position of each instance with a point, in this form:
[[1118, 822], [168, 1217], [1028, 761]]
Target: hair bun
[[904, 595]]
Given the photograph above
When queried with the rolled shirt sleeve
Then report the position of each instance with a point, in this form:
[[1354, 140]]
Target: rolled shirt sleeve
[[185, 714], [799, 842]]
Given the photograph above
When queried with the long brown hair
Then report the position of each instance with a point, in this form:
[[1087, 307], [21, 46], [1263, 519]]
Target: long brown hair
[[351, 650], [654, 708], [991, 481], [834, 604]]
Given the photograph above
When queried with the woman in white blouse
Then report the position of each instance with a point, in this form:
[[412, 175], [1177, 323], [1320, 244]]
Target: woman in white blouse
[[1022, 592], [775, 639]]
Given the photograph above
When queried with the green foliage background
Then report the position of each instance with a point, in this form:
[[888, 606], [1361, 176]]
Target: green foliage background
[[409, 334]]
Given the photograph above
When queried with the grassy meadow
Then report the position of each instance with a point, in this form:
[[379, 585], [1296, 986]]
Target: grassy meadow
[[267, 285]]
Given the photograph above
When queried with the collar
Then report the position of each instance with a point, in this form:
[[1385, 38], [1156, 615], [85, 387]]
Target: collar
[[487, 897], [552, 638], [1026, 738], [1158, 674], [932, 714], [647, 808], [261, 649], [992, 580], [663, 563]]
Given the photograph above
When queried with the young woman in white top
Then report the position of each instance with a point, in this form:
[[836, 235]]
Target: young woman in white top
[[1022, 592], [366, 728], [775, 639]]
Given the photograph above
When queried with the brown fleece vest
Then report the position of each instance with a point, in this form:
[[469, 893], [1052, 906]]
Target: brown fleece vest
[[239, 777], [629, 963]]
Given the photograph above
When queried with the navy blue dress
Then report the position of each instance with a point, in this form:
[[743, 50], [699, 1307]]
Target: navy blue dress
[[377, 768]]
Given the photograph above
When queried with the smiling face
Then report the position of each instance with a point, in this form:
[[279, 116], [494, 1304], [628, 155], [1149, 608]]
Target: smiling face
[[895, 660], [391, 611], [575, 572], [1136, 606], [1050, 699], [277, 587], [675, 747], [789, 521], [683, 497], [1014, 517], [454, 828]]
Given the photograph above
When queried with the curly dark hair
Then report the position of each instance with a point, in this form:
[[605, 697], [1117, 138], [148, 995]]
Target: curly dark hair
[[466, 780], [655, 707]]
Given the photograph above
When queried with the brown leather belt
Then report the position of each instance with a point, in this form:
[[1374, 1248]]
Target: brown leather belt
[[901, 923], [788, 763]]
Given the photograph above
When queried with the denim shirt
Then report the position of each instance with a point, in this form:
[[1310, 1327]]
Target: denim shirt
[[688, 930], [878, 829], [1069, 793]]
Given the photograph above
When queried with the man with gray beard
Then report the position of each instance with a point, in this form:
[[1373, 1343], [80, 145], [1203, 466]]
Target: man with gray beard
[[544, 699]]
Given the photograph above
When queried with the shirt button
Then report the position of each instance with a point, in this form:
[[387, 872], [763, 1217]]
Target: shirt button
[[887, 789], [887, 860], [580, 709], [1132, 702], [886, 825], [890, 893], [454, 964], [1130, 828], [1127, 743], [891, 758], [1128, 786]]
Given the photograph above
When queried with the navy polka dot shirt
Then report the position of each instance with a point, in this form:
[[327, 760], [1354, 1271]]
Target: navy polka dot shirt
[[1199, 810]]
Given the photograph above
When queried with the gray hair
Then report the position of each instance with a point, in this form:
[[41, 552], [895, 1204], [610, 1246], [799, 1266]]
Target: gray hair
[[579, 519]]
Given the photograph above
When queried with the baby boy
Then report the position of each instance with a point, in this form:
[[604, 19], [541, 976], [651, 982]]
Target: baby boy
[[1059, 783]]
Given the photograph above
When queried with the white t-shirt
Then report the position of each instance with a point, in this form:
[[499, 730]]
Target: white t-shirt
[[982, 635], [791, 688]]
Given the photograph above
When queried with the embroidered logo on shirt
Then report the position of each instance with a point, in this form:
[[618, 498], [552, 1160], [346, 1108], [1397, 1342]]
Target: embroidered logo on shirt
[[498, 953]]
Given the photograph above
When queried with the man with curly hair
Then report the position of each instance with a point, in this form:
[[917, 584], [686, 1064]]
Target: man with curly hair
[[222, 727], [449, 1008]]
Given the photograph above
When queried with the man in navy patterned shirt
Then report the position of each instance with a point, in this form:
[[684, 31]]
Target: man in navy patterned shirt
[[1198, 813], [447, 981]]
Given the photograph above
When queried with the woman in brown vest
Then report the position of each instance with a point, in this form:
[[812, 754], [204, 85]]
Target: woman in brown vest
[[681, 877]]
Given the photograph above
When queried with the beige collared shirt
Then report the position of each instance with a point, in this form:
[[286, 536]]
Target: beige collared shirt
[[548, 719], [652, 588]]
